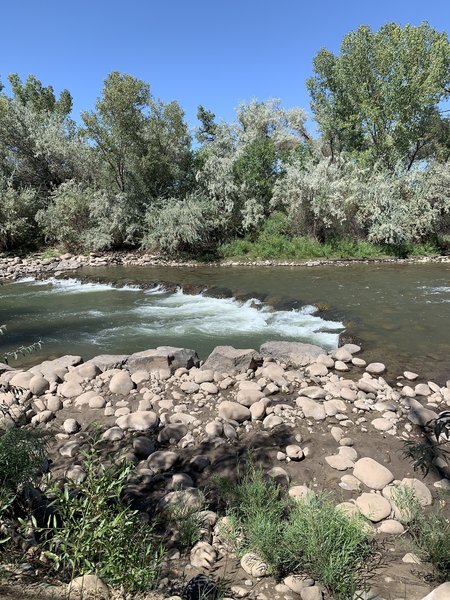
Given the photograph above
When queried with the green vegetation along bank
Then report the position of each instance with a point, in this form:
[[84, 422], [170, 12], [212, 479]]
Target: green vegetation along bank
[[374, 182]]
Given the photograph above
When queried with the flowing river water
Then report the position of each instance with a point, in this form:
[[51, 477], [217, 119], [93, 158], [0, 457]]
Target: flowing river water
[[400, 313]]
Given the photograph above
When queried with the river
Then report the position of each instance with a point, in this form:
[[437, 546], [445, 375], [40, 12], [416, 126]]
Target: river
[[400, 313]]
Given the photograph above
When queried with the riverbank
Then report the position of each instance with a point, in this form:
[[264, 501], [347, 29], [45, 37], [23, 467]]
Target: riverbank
[[313, 421], [16, 267]]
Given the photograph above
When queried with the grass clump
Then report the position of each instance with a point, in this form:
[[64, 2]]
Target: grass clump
[[309, 535], [430, 531], [94, 530], [22, 455], [187, 521]]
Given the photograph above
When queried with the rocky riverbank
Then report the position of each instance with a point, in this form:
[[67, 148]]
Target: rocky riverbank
[[14, 267], [313, 421]]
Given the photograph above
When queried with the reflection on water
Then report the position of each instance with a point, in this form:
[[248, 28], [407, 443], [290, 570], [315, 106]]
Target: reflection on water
[[401, 313]]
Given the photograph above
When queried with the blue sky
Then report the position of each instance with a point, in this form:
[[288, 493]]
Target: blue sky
[[215, 52]]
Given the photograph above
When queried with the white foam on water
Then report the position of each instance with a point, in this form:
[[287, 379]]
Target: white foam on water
[[184, 314]]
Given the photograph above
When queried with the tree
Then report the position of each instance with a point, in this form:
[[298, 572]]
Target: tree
[[380, 96]]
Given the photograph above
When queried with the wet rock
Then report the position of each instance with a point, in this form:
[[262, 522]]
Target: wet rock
[[226, 359], [293, 354]]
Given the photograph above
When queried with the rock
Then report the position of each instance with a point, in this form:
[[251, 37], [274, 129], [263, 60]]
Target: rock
[[376, 368], [189, 498], [296, 583], [348, 394], [106, 362], [418, 414], [350, 483], [140, 376], [339, 462], [71, 426], [391, 527], [311, 593], [258, 409], [163, 357], [75, 473], [300, 492], [248, 396], [422, 389], [314, 392], [204, 376], [272, 421], [53, 403], [373, 506], [411, 558], [234, 411], [372, 474], [97, 402], [420, 490], [162, 460], [121, 383], [203, 555], [173, 431], [358, 362], [189, 387], [340, 365], [382, 424], [325, 359], [86, 586], [138, 421], [293, 354], [53, 369], [143, 446], [214, 429], [311, 409], [69, 449], [294, 452], [343, 355], [226, 359], [253, 565], [317, 370], [113, 434], [409, 375], [209, 388], [38, 385], [440, 593], [279, 475], [70, 389], [86, 371]]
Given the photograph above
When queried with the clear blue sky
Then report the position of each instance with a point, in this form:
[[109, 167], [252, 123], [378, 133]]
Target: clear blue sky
[[213, 52]]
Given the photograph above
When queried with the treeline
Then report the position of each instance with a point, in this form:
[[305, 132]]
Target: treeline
[[131, 174]]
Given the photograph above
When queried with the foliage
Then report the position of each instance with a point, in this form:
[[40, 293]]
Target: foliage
[[81, 218], [435, 445], [22, 455], [309, 535], [17, 211], [187, 521], [191, 224], [430, 531], [94, 530], [379, 96]]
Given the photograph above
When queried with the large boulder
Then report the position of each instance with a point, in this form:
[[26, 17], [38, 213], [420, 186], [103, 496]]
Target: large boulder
[[294, 354], [106, 362], [226, 359], [163, 357], [54, 369]]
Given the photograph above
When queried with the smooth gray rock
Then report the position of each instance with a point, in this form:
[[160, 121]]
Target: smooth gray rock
[[294, 354], [105, 362], [163, 357], [226, 359]]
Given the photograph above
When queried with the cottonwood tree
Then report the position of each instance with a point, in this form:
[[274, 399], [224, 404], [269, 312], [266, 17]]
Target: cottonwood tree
[[379, 97]]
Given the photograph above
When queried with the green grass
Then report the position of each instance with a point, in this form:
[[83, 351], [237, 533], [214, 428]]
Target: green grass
[[305, 536], [430, 531], [281, 247]]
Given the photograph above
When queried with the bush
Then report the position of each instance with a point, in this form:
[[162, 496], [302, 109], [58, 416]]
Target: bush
[[94, 530], [430, 531], [310, 535], [22, 455], [17, 212], [192, 224]]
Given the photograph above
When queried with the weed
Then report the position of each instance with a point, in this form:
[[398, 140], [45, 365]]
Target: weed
[[93, 530], [430, 531], [187, 522]]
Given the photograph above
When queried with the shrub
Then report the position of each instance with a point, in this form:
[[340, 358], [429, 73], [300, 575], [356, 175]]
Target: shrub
[[192, 224], [17, 211], [430, 531], [310, 535], [94, 530], [187, 522], [22, 454]]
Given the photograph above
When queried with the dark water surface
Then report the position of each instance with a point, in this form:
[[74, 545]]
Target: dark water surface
[[400, 313]]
